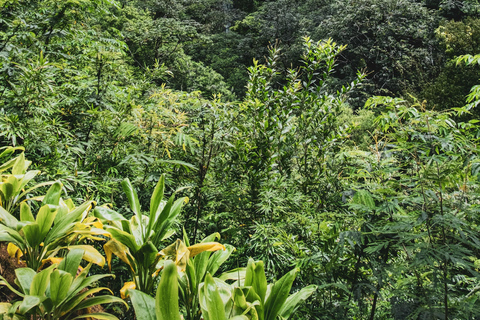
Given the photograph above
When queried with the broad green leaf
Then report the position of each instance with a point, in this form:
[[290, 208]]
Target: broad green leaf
[[45, 218], [71, 262], [90, 254], [26, 213], [295, 299], [147, 254], [125, 238], [166, 219], [40, 282], [235, 274], [27, 177], [7, 219], [5, 283], [60, 282], [33, 235], [278, 295], [62, 227], [105, 214], [79, 302], [157, 197], [132, 197], [29, 302], [143, 304], [166, 302], [53, 194], [10, 235], [218, 258], [260, 281], [212, 300], [19, 166]]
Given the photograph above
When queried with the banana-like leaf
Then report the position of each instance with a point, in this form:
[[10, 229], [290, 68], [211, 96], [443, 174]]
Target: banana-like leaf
[[234, 274], [294, 300], [166, 306], [143, 304], [94, 301], [202, 259], [33, 235], [147, 254], [156, 199], [11, 235], [29, 302], [4, 282]]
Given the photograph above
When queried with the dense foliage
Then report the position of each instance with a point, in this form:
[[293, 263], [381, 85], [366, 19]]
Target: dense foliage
[[330, 146]]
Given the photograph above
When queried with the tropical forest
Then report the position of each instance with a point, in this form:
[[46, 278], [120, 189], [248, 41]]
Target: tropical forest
[[240, 159]]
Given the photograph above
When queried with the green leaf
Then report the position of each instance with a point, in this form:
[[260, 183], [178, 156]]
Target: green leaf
[[19, 166], [125, 238], [295, 299], [40, 282], [71, 262], [166, 307], [132, 197], [7, 219], [212, 299], [218, 258], [33, 234], [157, 196], [106, 215], [29, 302], [60, 282], [147, 254], [279, 295], [45, 218], [61, 228], [53, 194], [143, 304], [95, 301], [260, 281], [26, 213]]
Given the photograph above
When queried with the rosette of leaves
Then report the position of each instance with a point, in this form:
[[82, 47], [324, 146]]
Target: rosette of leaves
[[12, 185], [60, 291], [139, 241], [254, 300], [57, 225]]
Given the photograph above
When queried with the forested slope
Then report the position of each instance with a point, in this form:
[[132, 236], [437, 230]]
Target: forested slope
[[336, 137]]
